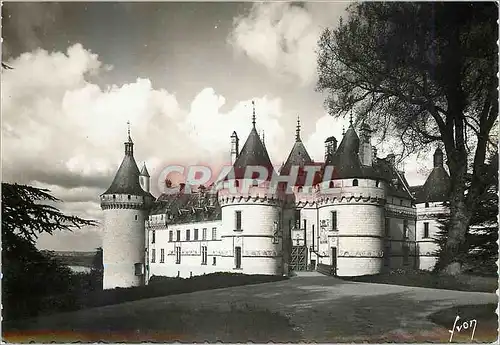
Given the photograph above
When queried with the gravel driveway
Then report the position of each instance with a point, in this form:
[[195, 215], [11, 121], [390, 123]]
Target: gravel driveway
[[320, 309]]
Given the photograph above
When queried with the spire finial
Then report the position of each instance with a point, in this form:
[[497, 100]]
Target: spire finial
[[128, 131], [263, 138], [297, 131], [343, 130], [350, 119], [253, 114]]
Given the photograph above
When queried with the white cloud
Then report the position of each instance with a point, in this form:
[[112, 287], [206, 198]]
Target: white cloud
[[326, 126], [65, 133], [283, 36]]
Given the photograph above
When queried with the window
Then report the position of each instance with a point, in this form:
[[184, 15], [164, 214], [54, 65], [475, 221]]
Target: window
[[204, 234], [297, 219], [214, 261], [136, 217], [387, 255], [426, 204], [406, 256], [377, 183], [236, 183], [162, 255], [333, 216], [170, 236], [114, 197], [237, 257], [401, 202], [355, 182], [426, 230], [405, 229], [203, 255], [153, 236], [238, 220], [188, 235], [138, 269], [330, 185], [387, 227], [255, 183], [299, 189], [214, 234], [177, 255], [129, 197], [195, 235], [178, 236], [153, 255]]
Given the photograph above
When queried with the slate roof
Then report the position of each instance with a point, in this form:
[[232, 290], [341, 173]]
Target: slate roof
[[126, 180], [345, 159], [187, 208], [346, 163], [253, 153], [144, 171], [436, 188], [298, 157]]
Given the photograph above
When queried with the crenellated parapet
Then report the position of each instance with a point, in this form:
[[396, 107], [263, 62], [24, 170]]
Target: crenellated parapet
[[125, 201], [396, 211]]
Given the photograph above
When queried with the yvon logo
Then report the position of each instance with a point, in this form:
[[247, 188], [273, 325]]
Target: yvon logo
[[466, 325]]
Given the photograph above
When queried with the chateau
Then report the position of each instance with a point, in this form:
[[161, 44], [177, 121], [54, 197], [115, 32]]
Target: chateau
[[363, 220]]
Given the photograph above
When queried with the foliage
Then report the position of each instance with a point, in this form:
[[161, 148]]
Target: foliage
[[479, 253], [425, 72], [28, 274], [427, 279]]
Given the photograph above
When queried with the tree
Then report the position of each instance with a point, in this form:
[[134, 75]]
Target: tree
[[425, 72], [480, 248], [28, 274]]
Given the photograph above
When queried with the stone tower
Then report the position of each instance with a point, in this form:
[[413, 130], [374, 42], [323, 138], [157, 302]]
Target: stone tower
[[251, 214], [125, 205]]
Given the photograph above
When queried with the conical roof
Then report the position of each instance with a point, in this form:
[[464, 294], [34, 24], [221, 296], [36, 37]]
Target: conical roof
[[437, 186], [253, 153], [144, 171], [346, 160], [126, 180], [298, 156]]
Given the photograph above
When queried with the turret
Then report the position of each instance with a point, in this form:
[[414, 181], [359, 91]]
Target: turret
[[438, 158], [330, 147], [250, 213], [234, 147], [125, 204], [144, 178]]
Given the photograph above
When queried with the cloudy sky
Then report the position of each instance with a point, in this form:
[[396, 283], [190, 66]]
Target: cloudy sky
[[183, 74]]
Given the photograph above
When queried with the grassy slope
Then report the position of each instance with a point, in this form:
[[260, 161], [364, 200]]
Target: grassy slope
[[428, 280]]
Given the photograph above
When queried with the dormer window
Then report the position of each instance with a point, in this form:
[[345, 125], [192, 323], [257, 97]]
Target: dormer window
[[114, 197], [129, 197], [236, 183], [426, 204], [331, 184], [355, 183]]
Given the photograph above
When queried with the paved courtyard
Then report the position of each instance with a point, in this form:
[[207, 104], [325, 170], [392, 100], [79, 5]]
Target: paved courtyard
[[320, 309]]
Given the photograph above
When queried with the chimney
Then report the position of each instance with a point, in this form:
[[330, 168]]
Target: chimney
[[366, 150], [234, 147], [438, 158], [330, 147], [374, 154], [391, 159]]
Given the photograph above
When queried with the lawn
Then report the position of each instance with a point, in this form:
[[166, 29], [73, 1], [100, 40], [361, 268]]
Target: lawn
[[427, 279], [486, 322], [238, 323], [158, 287]]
